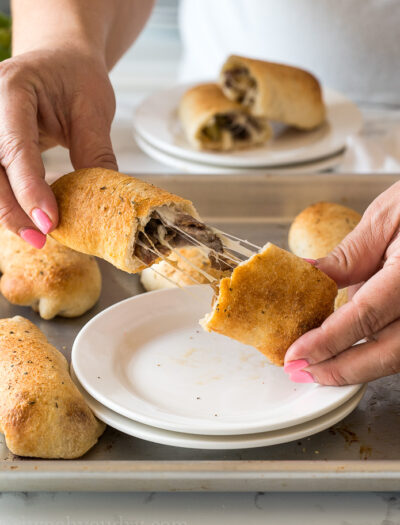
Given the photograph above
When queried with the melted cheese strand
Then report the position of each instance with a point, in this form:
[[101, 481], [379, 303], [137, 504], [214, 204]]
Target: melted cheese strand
[[233, 237], [156, 252], [209, 277], [164, 218], [167, 217], [236, 247]]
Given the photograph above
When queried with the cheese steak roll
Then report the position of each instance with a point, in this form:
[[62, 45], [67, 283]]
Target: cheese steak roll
[[270, 301], [180, 271], [318, 229], [274, 91], [53, 281], [213, 122], [124, 220], [42, 413]]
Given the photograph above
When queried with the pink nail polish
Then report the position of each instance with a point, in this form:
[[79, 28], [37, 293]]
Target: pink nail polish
[[301, 376], [311, 261], [293, 366], [33, 237], [41, 220]]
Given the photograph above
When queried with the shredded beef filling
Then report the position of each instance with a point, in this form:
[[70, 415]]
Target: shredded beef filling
[[156, 231], [239, 125], [239, 82]]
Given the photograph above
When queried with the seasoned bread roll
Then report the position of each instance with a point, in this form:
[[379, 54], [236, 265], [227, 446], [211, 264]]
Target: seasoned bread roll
[[42, 413], [213, 122], [126, 221], [274, 91], [180, 271], [53, 281], [270, 301], [318, 229]]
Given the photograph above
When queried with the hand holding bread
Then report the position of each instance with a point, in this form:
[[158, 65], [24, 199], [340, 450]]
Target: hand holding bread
[[369, 258]]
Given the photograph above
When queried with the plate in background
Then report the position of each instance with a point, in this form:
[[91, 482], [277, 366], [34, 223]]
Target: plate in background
[[156, 121], [204, 169]]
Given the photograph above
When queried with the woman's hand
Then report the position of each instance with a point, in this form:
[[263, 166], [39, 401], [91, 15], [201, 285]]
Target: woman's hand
[[49, 97], [370, 258], [56, 90]]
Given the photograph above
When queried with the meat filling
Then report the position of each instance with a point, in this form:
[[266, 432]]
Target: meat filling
[[157, 235], [241, 126], [240, 86]]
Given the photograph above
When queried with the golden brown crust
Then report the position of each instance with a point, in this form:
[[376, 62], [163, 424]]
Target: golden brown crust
[[200, 104], [283, 93], [271, 300], [53, 281], [42, 413], [180, 272], [318, 229], [101, 211]]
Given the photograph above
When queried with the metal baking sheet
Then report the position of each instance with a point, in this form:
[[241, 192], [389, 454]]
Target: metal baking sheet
[[360, 453]]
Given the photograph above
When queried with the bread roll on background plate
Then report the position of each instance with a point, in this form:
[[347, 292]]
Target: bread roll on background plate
[[270, 300], [275, 91], [42, 413], [213, 122], [53, 281], [318, 229]]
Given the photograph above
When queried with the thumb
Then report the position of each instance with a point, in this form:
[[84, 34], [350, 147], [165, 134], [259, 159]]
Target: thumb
[[91, 147], [360, 254], [89, 135]]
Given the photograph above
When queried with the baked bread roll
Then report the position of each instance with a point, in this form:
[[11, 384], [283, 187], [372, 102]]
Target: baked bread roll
[[270, 301], [42, 413], [53, 281], [213, 122], [178, 271], [274, 91], [126, 221], [318, 229]]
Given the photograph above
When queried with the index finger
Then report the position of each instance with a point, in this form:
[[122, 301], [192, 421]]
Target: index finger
[[374, 305], [20, 157]]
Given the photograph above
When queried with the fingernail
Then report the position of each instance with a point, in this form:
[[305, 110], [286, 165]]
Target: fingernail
[[293, 366], [41, 220], [301, 376], [311, 261], [33, 237]]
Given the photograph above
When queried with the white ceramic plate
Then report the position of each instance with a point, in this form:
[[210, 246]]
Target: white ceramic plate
[[156, 120], [179, 439], [147, 359], [203, 169]]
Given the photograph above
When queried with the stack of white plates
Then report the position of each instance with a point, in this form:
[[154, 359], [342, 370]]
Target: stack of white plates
[[147, 368], [158, 132]]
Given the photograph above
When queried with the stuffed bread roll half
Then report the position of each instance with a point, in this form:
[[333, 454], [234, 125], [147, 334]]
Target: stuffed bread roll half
[[270, 300], [126, 221], [213, 122], [276, 91]]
